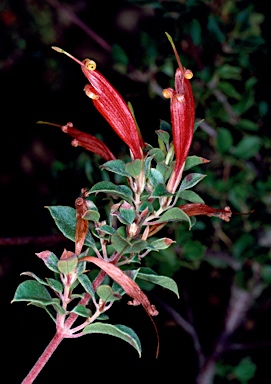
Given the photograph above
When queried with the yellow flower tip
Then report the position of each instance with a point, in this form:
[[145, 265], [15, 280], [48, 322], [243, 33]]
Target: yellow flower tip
[[188, 74], [88, 91], [166, 93], [89, 64]]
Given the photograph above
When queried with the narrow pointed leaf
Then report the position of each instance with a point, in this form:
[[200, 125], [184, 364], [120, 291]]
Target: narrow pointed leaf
[[50, 260], [86, 283], [162, 243], [190, 181], [192, 161], [166, 282], [191, 196], [120, 331]]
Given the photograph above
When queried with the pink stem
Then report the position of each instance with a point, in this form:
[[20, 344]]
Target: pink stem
[[47, 353]]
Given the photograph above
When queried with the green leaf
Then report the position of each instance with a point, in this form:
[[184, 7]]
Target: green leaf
[[65, 219], [245, 370], [120, 244], [68, 265], [134, 168], [224, 140], [147, 166], [230, 72], [160, 191], [139, 246], [195, 32], [190, 181], [31, 274], [106, 293], [197, 124], [110, 188], [191, 196], [120, 331], [192, 161], [156, 177], [50, 260], [164, 169], [162, 243], [33, 291], [173, 214], [107, 229], [91, 215], [228, 89], [247, 147], [149, 275], [55, 285], [247, 124], [81, 310], [116, 166], [162, 134], [126, 215], [157, 154], [87, 285]]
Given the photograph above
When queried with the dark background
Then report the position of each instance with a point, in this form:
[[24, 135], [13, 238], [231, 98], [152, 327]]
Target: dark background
[[39, 84]]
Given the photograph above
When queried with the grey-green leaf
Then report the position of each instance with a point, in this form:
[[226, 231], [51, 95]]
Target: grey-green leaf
[[33, 291], [134, 168], [108, 187], [116, 166], [65, 219], [190, 181], [120, 331], [173, 214], [87, 285], [106, 293], [191, 196], [149, 275], [81, 310]]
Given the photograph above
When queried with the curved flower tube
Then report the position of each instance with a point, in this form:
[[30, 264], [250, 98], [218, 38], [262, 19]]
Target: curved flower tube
[[195, 209], [111, 105], [89, 142]]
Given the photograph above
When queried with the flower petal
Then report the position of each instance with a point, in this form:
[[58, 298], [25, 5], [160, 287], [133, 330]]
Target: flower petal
[[182, 119], [111, 105]]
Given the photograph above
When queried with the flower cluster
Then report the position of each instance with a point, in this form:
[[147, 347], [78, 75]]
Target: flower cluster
[[113, 108]]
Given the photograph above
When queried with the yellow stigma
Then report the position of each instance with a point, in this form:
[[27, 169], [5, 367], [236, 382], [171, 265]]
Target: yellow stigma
[[90, 64], [166, 93], [188, 74]]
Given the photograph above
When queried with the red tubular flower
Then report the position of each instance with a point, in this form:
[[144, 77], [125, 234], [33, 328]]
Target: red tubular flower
[[195, 209], [111, 105], [88, 142], [182, 112]]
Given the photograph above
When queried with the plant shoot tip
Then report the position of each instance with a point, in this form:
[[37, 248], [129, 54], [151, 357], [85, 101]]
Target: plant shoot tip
[[57, 49]]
